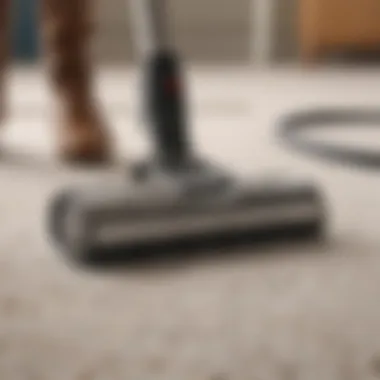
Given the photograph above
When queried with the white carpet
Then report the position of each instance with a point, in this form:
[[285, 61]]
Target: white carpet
[[291, 313]]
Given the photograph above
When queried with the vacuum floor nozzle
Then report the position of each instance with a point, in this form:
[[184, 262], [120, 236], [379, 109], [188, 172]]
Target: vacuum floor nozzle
[[145, 221], [176, 202]]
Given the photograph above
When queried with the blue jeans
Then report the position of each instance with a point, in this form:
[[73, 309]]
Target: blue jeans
[[25, 39]]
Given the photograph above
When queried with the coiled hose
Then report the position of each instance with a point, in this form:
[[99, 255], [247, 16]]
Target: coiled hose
[[292, 126]]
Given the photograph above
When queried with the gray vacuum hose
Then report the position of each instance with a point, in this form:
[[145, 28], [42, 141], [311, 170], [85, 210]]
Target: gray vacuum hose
[[291, 127]]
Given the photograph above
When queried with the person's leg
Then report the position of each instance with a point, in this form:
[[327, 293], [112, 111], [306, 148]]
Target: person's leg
[[4, 51], [67, 26]]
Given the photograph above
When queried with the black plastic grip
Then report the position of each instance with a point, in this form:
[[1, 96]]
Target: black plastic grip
[[165, 109]]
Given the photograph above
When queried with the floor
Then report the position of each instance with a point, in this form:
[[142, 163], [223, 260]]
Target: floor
[[305, 312]]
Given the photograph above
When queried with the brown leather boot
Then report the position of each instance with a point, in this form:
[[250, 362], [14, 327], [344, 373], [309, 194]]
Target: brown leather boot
[[4, 51], [67, 28]]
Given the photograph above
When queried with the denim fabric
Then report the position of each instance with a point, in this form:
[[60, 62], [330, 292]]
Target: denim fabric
[[25, 30]]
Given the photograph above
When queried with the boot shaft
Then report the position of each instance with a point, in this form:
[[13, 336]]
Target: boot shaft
[[67, 29], [67, 26]]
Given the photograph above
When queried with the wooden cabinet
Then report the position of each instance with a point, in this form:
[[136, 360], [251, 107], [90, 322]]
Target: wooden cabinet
[[331, 24]]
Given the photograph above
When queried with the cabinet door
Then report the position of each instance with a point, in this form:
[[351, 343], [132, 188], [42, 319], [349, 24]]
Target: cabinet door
[[349, 21], [310, 27], [370, 20]]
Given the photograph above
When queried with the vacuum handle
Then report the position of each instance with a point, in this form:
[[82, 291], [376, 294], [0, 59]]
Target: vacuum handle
[[163, 88], [150, 25], [165, 107]]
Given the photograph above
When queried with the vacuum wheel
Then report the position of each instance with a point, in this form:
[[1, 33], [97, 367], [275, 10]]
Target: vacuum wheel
[[66, 228]]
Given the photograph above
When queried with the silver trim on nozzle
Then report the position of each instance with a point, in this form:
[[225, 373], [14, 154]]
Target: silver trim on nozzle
[[260, 218]]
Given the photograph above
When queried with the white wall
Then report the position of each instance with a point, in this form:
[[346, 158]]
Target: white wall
[[205, 30], [285, 29], [112, 41]]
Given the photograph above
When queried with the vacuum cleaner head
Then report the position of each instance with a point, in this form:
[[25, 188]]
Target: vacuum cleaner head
[[143, 219]]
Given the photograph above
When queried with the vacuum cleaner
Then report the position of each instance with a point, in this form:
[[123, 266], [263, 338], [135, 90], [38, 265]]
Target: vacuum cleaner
[[174, 199]]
